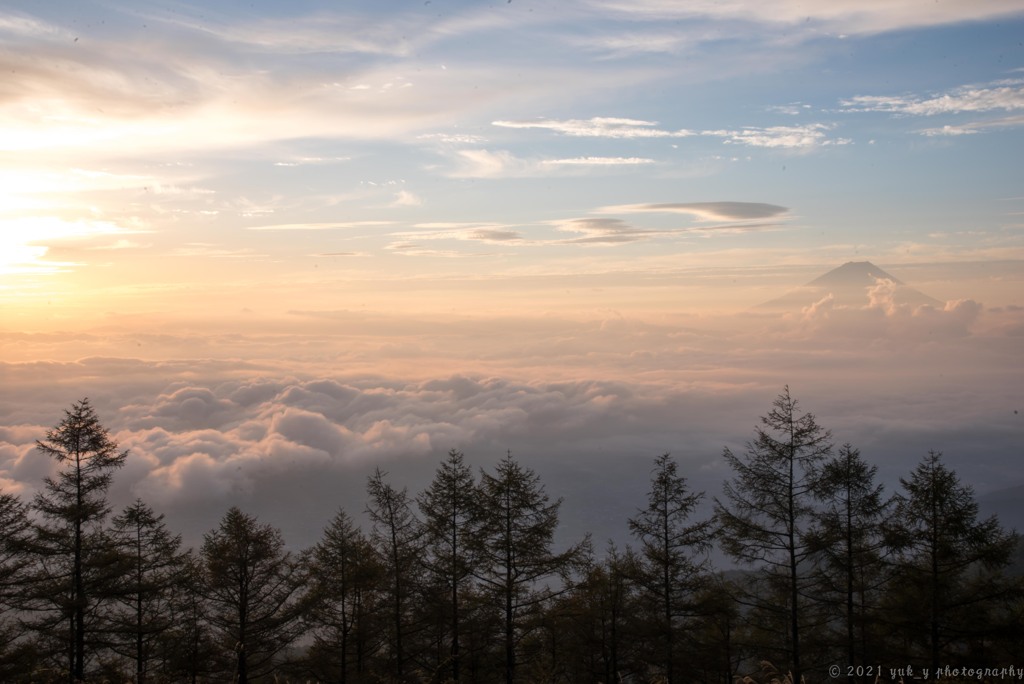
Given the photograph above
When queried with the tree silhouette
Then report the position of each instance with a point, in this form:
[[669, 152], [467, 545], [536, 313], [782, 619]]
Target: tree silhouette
[[253, 587], [345, 576], [949, 566], [600, 620], [153, 565], [76, 563], [396, 535], [769, 506], [850, 546], [673, 549], [15, 560], [450, 519], [188, 645], [514, 547]]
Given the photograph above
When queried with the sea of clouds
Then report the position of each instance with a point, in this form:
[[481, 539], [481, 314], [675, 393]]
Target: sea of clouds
[[288, 426]]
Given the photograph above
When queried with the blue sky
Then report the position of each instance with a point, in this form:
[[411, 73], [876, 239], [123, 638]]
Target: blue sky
[[502, 197]]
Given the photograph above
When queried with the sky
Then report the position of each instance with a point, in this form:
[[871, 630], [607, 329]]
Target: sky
[[281, 244]]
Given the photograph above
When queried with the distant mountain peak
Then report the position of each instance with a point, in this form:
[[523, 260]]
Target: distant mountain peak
[[853, 273], [850, 285]]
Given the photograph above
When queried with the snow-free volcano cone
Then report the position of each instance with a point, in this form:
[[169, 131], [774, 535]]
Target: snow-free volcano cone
[[854, 284]]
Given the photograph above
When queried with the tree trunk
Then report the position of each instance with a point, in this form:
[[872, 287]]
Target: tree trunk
[[794, 587], [79, 602]]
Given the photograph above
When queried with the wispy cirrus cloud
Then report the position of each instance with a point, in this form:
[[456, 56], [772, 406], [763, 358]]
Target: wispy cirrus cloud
[[487, 232], [233, 88], [1007, 96], [308, 161], [483, 163], [840, 16], [704, 211], [196, 250], [601, 231], [713, 217], [416, 250], [803, 137], [404, 198], [599, 127], [622, 43], [453, 138], [26, 242], [806, 137], [337, 225], [599, 161], [490, 164], [1000, 96], [974, 127]]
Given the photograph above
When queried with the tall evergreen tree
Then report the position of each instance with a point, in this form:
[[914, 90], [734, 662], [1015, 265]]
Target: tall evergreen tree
[[450, 519], [515, 550], [769, 505], [396, 534], [188, 646], [253, 591], [716, 655], [15, 529], [15, 534], [345, 579], [76, 562], [153, 567], [599, 621], [949, 579], [674, 552], [851, 549]]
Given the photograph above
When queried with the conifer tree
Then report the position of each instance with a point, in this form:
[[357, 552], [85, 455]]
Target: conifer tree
[[768, 507], [450, 519], [187, 646], [253, 591], [850, 547], [674, 553], [396, 535], [514, 548], [153, 567], [949, 579], [15, 559], [345, 580], [599, 619], [76, 563], [15, 528]]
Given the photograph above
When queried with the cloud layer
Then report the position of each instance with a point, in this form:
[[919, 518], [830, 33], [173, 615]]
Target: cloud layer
[[587, 404]]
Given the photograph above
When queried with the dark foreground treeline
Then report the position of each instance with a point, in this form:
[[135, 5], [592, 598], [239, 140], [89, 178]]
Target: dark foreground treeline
[[463, 583]]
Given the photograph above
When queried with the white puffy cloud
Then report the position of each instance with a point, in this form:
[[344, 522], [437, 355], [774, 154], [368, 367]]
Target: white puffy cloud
[[16, 465], [187, 408], [884, 318]]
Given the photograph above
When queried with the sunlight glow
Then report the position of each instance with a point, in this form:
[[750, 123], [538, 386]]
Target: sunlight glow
[[25, 241]]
